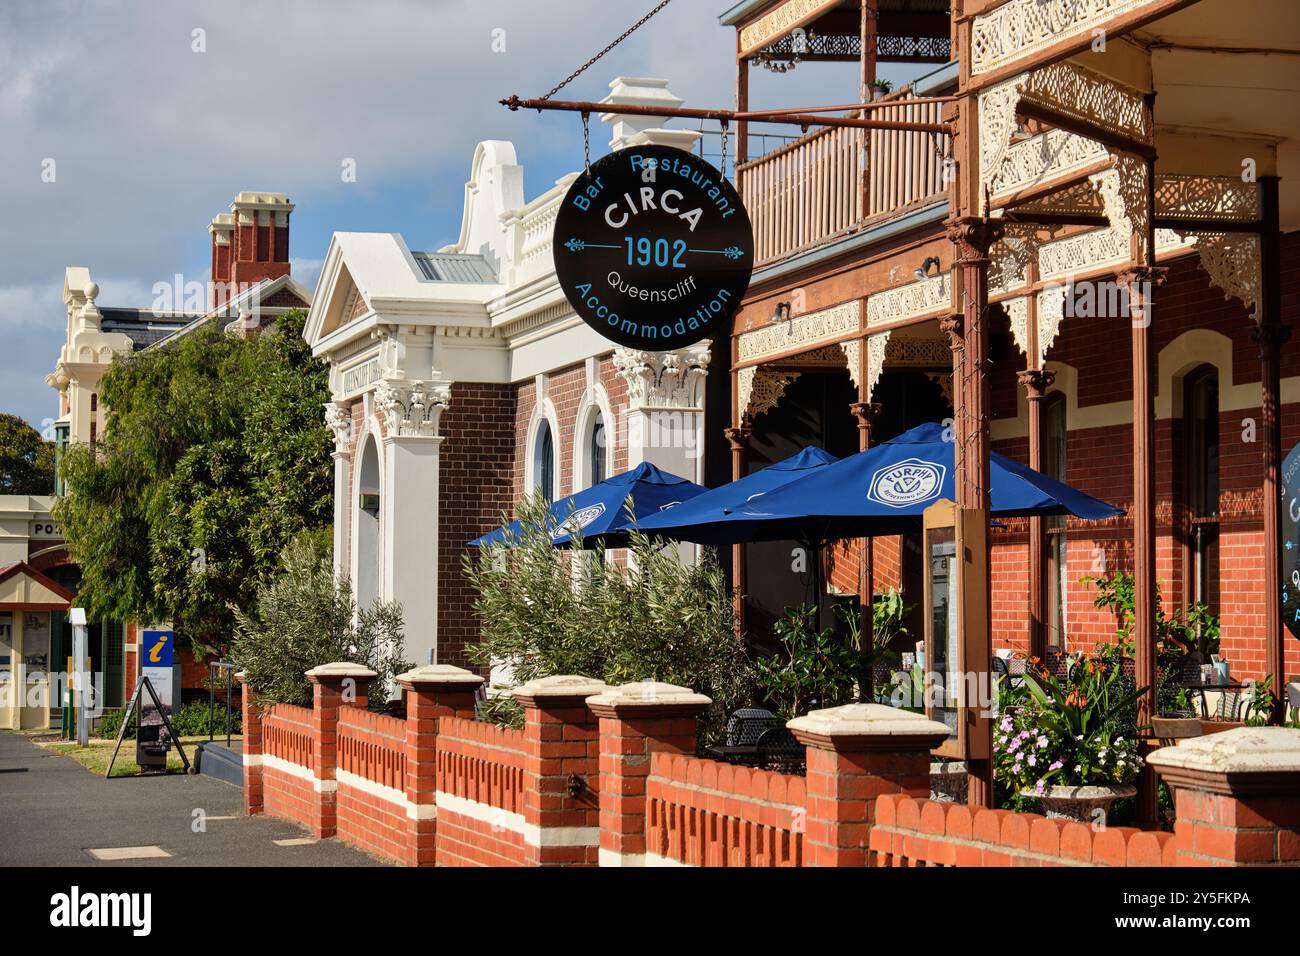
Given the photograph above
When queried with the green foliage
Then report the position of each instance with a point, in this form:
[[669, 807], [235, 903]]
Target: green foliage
[[548, 611], [305, 617], [192, 720], [1196, 629], [215, 454], [1078, 731], [26, 459], [502, 711], [820, 668], [1259, 708], [111, 722]]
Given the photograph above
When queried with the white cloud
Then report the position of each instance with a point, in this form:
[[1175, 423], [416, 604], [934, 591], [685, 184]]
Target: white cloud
[[150, 139]]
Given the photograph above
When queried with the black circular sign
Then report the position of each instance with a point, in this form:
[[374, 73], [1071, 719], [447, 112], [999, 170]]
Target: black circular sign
[[1289, 559], [653, 248]]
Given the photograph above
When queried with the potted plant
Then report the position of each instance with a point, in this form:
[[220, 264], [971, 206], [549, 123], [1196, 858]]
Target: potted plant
[[1071, 745], [880, 89]]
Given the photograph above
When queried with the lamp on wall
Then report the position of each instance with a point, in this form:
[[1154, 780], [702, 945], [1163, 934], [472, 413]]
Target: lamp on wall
[[924, 271]]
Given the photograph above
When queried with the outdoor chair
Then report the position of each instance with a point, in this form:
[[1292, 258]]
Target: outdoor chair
[[1058, 663], [747, 724], [778, 750], [1228, 706]]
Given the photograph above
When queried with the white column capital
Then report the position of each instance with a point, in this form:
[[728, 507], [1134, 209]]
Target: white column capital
[[412, 409], [672, 380]]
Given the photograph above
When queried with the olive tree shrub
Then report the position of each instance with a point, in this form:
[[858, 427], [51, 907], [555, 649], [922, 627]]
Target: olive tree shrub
[[545, 611], [306, 616]]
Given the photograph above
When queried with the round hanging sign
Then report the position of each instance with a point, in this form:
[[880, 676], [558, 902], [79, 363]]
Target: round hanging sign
[[653, 248]]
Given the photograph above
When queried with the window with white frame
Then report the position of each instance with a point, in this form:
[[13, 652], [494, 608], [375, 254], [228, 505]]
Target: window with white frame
[[544, 460]]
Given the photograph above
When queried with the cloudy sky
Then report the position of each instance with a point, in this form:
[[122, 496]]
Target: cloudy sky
[[150, 137]]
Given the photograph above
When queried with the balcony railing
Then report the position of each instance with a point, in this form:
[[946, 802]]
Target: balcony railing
[[834, 181]]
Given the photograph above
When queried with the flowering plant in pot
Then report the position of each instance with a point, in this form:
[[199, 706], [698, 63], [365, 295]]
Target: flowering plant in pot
[[1069, 745]]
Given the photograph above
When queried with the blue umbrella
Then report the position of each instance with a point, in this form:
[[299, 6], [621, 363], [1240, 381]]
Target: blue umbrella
[[713, 516], [885, 489], [600, 512]]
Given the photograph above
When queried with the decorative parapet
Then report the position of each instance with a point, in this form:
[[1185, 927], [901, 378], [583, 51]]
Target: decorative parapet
[[412, 410], [1021, 28]]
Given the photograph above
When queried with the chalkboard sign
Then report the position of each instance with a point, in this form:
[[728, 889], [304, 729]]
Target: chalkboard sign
[[653, 248], [1289, 559]]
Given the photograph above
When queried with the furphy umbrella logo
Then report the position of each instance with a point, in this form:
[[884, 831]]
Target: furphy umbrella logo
[[580, 519], [906, 483], [653, 248], [76, 909]]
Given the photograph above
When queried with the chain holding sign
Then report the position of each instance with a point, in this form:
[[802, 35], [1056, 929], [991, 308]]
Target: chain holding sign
[[653, 248]]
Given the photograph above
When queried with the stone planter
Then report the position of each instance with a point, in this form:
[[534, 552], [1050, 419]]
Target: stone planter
[[1080, 803], [949, 781]]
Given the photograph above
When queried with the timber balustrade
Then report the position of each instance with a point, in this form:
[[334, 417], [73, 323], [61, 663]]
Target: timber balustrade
[[608, 776], [836, 180]]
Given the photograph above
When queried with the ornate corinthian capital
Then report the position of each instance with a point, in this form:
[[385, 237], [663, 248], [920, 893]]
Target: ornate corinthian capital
[[412, 410], [664, 379]]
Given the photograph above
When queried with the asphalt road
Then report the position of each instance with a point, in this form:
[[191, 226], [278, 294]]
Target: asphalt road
[[53, 811]]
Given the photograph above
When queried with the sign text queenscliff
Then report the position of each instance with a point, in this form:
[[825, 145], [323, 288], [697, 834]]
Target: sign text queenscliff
[[653, 248]]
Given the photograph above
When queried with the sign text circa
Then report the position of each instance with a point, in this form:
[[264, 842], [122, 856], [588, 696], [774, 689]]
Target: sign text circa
[[653, 248]]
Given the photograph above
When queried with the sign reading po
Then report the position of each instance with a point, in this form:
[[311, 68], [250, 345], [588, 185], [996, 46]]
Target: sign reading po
[[653, 248]]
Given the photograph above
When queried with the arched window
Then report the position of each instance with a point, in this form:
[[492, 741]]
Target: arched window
[[544, 461], [596, 450], [1201, 428], [1054, 466]]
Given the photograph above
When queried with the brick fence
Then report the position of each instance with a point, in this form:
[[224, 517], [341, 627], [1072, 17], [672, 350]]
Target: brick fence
[[607, 776]]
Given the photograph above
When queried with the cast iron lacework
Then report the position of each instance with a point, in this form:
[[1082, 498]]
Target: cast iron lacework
[[1023, 27], [758, 390], [922, 297], [806, 329]]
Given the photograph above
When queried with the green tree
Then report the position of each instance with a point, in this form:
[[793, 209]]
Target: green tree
[[305, 617], [26, 459], [214, 456], [547, 611]]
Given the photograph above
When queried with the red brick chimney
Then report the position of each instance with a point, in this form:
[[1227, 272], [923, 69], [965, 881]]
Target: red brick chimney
[[249, 244]]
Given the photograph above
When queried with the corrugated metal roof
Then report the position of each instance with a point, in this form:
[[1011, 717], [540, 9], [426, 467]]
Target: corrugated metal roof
[[455, 267]]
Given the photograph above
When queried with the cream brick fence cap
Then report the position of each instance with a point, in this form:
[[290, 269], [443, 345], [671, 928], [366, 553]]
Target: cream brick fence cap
[[445, 675], [558, 688], [1240, 761], [340, 670], [868, 727], [649, 697]]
